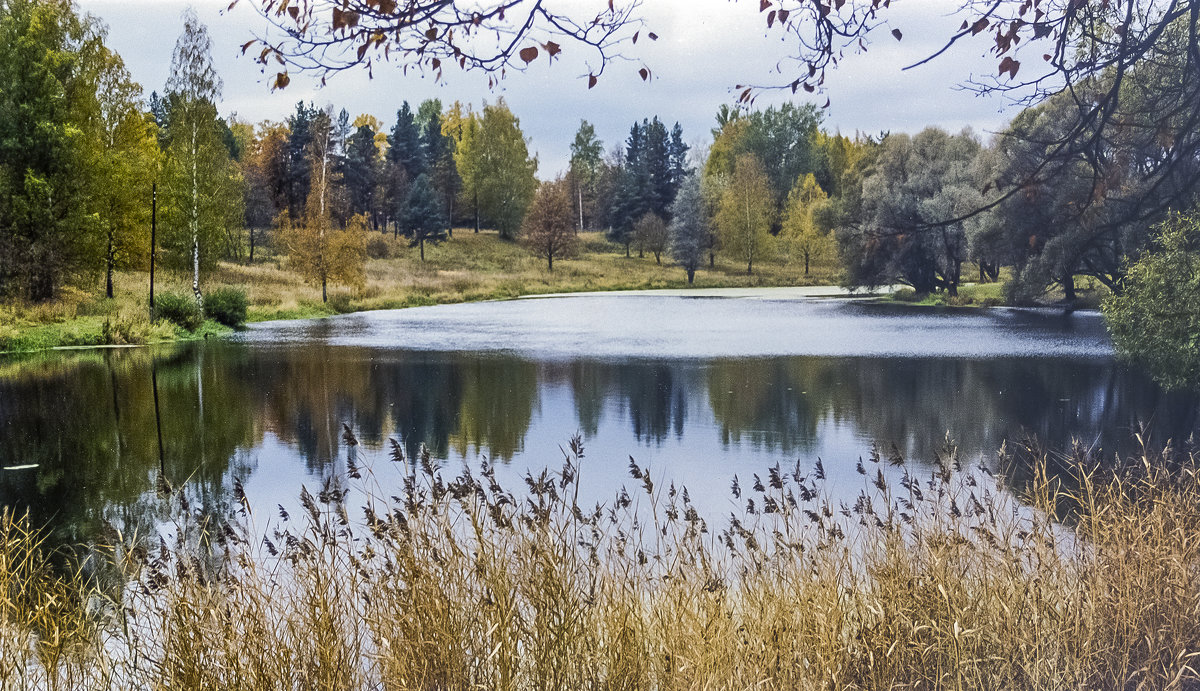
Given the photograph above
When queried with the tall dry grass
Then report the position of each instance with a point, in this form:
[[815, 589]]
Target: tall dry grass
[[933, 578]]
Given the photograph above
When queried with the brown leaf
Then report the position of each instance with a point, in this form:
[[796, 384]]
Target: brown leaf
[[635, 36], [281, 80], [1010, 66], [897, 34], [644, 73], [979, 25], [552, 48], [763, 5], [246, 46], [782, 16], [771, 19], [592, 80], [653, 36], [528, 54]]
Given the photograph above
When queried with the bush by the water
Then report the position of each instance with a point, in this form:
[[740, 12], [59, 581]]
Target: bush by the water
[[936, 577], [378, 246], [1155, 321], [226, 306], [180, 310]]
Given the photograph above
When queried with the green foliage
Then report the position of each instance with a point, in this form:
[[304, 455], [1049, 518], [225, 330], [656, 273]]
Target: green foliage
[[201, 188], [904, 231], [179, 310], [801, 236], [746, 211], [497, 171], [50, 61], [226, 306], [1156, 319], [424, 219]]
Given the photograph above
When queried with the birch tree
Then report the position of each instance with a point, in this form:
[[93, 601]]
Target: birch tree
[[202, 189], [746, 211]]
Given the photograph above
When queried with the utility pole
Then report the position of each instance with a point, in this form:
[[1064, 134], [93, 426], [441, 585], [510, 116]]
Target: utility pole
[[153, 239]]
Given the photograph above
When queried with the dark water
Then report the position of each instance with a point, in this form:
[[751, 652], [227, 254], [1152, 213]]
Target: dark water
[[697, 389]]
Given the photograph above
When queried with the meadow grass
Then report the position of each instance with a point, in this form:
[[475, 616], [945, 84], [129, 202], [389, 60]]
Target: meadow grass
[[468, 267], [936, 577]]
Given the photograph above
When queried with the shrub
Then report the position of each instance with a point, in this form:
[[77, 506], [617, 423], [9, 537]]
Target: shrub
[[180, 310], [378, 246], [341, 303], [226, 306], [1156, 320]]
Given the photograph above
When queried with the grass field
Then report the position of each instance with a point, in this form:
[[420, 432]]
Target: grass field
[[468, 267]]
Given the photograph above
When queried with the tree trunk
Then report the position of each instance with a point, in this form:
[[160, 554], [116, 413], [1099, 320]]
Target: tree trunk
[[657, 259], [550, 261], [476, 211], [195, 221], [251, 246], [324, 290], [1068, 284], [691, 275], [421, 242], [806, 257], [712, 260]]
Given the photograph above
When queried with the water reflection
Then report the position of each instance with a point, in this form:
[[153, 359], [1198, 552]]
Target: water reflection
[[88, 421]]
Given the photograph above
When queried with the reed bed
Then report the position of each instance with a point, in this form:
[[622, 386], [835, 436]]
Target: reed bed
[[936, 576]]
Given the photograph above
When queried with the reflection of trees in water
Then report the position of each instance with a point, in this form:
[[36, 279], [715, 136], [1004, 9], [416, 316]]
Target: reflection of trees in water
[[497, 404], [90, 429], [765, 402], [651, 396], [89, 422], [915, 402]]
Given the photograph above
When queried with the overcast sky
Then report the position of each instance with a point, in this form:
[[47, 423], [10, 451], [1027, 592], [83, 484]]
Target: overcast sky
[[706, 47]]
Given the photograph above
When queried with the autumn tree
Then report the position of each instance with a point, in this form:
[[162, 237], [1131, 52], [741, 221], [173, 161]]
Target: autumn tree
[[650, 234], [324, 254], [424, 219], [264, 174], [317, 248], [801, 236], [202, 188], [334, 35], [497, 171], [548, 227], [127, 161], [690, 226], [746, 212]]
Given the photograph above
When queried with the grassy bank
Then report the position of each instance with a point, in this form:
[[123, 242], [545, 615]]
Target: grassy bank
[[935, 578], [469, 267]]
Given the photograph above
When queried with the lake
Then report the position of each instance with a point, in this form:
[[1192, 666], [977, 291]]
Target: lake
[[698, 388]]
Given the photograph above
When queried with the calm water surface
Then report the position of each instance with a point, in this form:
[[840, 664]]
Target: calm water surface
[[698, 389]]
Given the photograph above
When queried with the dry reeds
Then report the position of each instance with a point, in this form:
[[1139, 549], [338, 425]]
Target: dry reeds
[[934, 578]]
